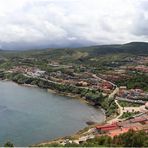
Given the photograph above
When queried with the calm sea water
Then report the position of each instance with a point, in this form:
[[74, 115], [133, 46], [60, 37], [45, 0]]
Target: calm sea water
[[32, 115]]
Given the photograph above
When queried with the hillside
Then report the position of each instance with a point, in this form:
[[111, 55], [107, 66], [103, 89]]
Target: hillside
[[130, 48], [94, 55]]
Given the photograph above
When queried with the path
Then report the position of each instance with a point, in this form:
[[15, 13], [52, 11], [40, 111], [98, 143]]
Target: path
[[122, 110], [120, 113], [112, 95]]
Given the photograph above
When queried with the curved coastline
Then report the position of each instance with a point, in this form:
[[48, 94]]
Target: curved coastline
[[57, 92]]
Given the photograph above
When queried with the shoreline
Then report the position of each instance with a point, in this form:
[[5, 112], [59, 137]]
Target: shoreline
[[56, 92]]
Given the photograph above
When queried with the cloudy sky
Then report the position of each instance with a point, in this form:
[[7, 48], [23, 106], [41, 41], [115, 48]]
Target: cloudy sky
[[62, 23]]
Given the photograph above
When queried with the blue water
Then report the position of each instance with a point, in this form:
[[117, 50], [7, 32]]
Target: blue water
[[32, 115]]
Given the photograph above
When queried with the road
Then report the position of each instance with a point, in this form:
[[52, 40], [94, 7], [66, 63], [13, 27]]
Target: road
[[120, 108], [129, 100], [112, 95], [116, 90]]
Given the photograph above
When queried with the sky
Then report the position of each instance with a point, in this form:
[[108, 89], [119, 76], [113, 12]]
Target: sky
[[29, 24]]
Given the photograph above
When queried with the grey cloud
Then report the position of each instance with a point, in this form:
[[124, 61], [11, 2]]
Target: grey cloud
[[141, 27], [61, 23], [140, 21]]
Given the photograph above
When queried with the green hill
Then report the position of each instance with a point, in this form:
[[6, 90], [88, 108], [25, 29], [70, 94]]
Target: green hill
[[88, 55]]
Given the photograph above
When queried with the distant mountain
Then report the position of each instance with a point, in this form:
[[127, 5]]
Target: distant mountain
[[132, 48]]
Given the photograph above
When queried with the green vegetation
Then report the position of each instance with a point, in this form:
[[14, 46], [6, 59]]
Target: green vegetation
[[129, 139], [110, 106], [95, 58], [136, 81], [128, 104], [128, 114], [8, 144]]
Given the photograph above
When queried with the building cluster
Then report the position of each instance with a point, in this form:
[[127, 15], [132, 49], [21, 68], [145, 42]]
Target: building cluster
[[137, 123], [141, 68], [82, 80], [115, 75], [55, 64], [142, 60], [86, 79], [30, 71], [132, 94]]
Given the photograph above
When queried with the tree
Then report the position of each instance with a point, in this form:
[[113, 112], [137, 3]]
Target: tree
[[8, 144]]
